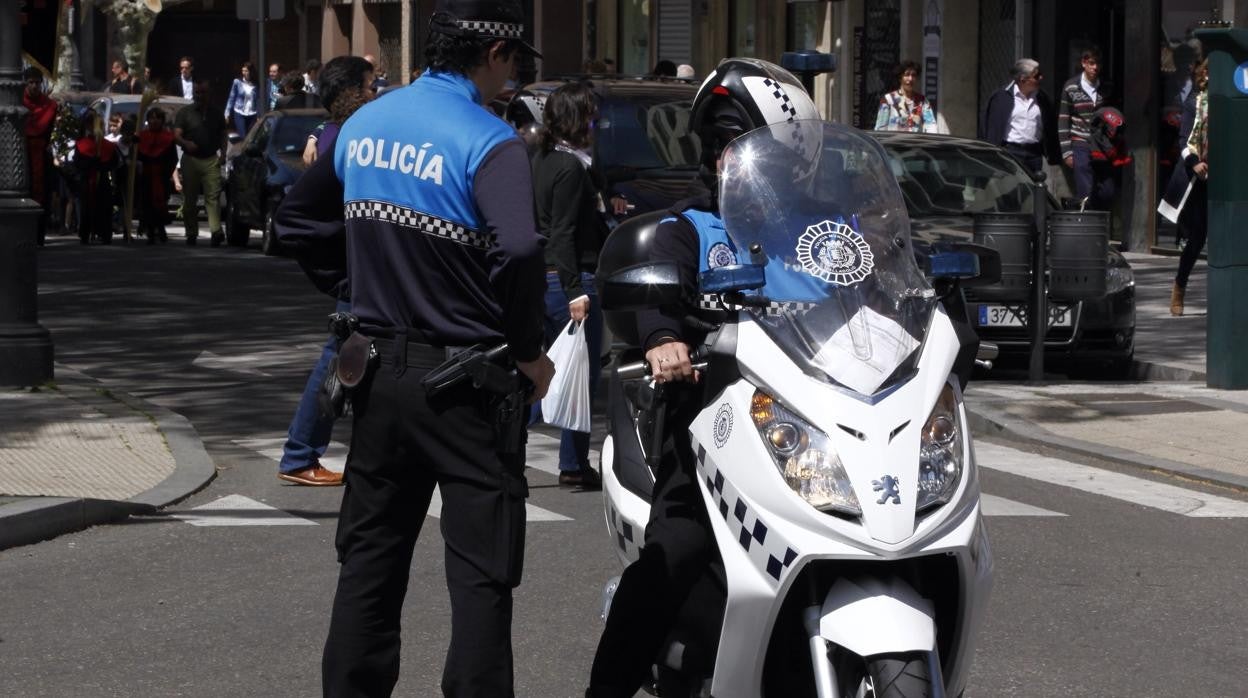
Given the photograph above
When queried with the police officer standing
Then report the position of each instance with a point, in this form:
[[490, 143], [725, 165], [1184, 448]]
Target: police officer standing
[[442, 254]]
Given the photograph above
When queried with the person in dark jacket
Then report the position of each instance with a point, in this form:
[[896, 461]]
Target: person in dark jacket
[[570, 210], [97, 159], [294, 96], [1081, 97], [157, 156], [433, 197], [1187, 195], [1020, 119]]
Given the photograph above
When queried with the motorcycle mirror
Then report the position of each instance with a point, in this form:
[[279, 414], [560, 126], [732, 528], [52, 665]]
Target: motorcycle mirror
[[643, 287], [733, 277]]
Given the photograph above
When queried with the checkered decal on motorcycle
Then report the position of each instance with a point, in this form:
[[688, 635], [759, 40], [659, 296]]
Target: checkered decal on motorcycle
[[425, 223], [765, 548], [624, 533]]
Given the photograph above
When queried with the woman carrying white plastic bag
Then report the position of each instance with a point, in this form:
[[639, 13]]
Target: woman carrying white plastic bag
[[570, 208]]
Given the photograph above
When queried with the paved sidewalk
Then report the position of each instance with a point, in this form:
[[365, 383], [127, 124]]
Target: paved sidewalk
[[1168, 422], [73, 454]]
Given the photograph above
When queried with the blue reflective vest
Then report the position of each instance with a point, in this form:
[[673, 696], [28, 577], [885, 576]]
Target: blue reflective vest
[[785, 282]]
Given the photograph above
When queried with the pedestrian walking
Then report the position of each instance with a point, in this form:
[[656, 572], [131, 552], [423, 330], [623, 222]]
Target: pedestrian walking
[[346, 84], [1081, 97], [123, 83], [570, 213], [1020, 118], [199, 129], [905, 109], [240, 106], [442, 254], [311, 76], [184, 84], [1187, 195], [96, 160], [157, 158], [274, 85], [293, 94], [37, 130]]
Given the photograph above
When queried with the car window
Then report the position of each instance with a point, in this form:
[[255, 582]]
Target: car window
[[948, 179], [643, 133], [291, 132]]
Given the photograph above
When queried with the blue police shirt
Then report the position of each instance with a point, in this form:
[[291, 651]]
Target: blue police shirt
[[441, 240]]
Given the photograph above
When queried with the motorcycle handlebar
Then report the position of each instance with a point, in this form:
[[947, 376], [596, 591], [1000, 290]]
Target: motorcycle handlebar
[[641, 369]]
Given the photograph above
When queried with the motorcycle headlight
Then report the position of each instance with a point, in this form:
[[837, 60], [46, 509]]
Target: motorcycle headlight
[[940, 453], [1118, 277], [805, 457]]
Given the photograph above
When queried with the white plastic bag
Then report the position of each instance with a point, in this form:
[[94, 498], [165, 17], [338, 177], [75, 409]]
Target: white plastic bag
[[567, 400]]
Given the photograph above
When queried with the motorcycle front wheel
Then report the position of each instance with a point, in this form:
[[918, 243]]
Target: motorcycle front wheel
[[900, 676]]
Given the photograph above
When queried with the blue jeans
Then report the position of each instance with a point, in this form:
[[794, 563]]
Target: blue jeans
[[309, 429], [574, 445], [243, 123]]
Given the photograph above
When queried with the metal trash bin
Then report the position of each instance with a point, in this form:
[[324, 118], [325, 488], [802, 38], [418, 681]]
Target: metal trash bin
[[1078, 254], [1010, 234]]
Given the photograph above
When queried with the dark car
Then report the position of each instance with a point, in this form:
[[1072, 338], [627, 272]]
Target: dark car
[[946, 181], [643, 149], [267, 163]]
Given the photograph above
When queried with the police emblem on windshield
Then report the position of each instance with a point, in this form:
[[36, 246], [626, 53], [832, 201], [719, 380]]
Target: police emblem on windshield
[[835, 253], [720, 255]]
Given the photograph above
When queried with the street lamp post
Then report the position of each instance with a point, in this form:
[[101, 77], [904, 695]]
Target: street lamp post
[[25, 346]]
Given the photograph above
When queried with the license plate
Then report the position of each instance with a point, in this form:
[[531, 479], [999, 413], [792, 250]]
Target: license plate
[[1015, 316]]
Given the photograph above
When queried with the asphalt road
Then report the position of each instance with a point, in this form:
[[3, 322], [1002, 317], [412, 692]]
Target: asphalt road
[[1098, 597]]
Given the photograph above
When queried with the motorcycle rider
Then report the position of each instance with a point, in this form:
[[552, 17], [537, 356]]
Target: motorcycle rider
[[741, 95]]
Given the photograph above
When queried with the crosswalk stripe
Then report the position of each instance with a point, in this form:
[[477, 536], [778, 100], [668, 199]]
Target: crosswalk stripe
[[335, 459], [237, 510], [1107, 483], [992, 505]]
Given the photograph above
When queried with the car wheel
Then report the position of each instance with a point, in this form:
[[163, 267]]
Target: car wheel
[[269, 243], [237, 233]]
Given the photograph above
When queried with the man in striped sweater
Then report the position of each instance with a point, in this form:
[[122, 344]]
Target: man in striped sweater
[[1081, 96]]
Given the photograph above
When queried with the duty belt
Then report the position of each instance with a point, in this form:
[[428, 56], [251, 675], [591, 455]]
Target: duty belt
[[418, 354]]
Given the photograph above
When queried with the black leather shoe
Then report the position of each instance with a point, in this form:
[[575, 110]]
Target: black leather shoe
[[191, 241], [585, 478], [218, 238]]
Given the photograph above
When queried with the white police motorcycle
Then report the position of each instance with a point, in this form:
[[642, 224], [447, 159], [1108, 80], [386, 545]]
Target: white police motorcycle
[[832, 447]]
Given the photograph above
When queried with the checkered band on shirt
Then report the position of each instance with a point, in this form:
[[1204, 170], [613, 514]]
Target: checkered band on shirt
[[713, 301], [425, 223], [503, 30], [764, 547], [786, 105]]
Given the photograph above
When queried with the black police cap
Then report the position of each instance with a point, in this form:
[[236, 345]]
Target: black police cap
[[484, 19]]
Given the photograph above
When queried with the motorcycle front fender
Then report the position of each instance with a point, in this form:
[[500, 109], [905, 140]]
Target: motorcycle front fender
[[870, 616]]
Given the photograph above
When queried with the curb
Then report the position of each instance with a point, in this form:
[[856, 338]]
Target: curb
[[40, 518], [1148, 371], [986, 422]]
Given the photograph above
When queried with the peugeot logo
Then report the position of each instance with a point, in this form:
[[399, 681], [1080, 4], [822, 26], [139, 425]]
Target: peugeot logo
[[889, 485]]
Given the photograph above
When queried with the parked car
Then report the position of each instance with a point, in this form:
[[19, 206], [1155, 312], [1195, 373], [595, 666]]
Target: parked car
[[643, 149], [945, 181], [261, 171]]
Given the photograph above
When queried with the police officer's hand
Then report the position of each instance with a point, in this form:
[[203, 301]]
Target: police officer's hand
[[670, 362], [579, 309], [1201, 169], [1070, 161], [540, 371]]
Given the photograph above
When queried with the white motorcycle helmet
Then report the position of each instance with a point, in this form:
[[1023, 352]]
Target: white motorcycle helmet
[[743, 94]]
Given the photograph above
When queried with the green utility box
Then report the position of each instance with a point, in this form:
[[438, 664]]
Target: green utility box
[[1227, 333]]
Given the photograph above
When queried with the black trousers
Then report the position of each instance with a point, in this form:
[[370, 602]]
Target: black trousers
[[1194, 220], [1031, 155], [401, 446], [678, 547]]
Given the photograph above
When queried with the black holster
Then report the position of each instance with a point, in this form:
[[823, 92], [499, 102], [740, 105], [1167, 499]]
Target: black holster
[[506, 390], [349, 366]]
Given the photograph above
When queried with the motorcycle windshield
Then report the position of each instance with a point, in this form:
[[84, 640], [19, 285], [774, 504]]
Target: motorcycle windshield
[[817, 203]]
